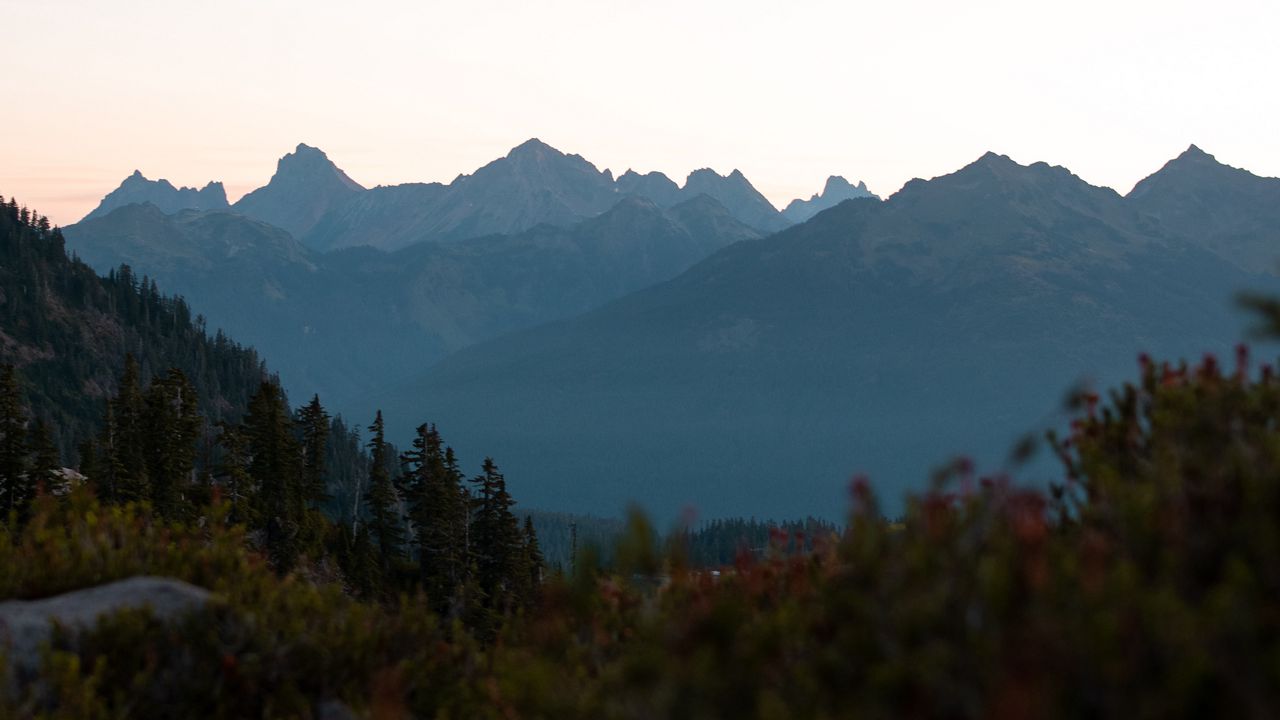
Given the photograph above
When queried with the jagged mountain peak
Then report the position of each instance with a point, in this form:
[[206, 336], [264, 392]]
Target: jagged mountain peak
[[993, 169], [837, 183], [1192, 166], [307, 160], [703, 173], [1000, 192], [991, 157], [653, 185], [1227, 210], [305, 186], [737, 194], [533, 146], [137, 189], [534, 156], [1194, 151], [835, 191]]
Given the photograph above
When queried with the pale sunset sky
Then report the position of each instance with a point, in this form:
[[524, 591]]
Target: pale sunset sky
[[788, 92]]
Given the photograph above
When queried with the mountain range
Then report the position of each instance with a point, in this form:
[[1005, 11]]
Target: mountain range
[[632, 339], [347, 322], [317, 203], [878, 337]]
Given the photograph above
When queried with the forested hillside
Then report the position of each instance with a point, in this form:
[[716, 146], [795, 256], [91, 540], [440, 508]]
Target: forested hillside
[[67, 331]]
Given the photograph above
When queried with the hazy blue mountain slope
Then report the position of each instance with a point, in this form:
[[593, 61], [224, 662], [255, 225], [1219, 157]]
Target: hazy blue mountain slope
[[491, 285], [354, 321], [878, 337], [386, 217], [260, 285]]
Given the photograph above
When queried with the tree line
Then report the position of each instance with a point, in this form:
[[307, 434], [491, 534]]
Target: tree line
[[421, 525]]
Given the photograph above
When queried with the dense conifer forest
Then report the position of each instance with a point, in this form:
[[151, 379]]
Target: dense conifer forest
[[68, 333]]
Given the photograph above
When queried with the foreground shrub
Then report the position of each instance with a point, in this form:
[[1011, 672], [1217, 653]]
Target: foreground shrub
[[1146, 584], [269, 647]]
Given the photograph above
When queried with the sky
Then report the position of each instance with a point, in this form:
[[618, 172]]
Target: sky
[[788, 92]]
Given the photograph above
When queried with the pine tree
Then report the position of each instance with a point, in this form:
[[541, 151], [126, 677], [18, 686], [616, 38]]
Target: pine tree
[[498, 547], [275, 464], [174, 424], [16, 485], [314, 422], [383, 525], [130, 437], [363, 571], [88, 454], [104, 467], [534, 563], [438, 510], [232, 476]]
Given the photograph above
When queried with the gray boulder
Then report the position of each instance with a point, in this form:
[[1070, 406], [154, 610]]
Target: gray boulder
[[25, 626]]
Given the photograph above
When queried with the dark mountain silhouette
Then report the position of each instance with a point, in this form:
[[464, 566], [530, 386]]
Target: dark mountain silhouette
[[255, 281], [306, 186], [138, 189], [1231, 212], [347, 323], [836, 191], [879, 337]]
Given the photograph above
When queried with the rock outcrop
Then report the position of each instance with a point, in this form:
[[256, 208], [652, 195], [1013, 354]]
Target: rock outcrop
[[27, 625]]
